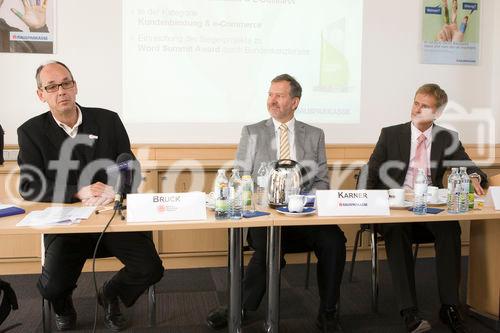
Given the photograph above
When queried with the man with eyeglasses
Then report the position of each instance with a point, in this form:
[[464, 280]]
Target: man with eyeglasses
[[93, 135]]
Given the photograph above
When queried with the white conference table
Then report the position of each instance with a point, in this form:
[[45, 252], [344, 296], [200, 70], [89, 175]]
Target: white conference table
[[273, 222]]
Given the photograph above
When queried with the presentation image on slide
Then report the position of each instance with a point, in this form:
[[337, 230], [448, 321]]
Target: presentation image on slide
[[450, 32], [211, 61], [27, 26]]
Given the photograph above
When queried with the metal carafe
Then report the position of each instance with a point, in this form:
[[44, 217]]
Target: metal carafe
[[285, 179]]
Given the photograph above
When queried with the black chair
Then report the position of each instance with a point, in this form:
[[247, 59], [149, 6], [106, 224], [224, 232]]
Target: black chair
[[420, 235], [101, 253]]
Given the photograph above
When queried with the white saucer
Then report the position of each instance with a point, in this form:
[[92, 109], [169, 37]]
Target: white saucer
[[440, 202], [405, 205], [306, 211]]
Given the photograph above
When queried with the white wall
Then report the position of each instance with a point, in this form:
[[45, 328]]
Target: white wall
[[392, 72], [89, 41], [495, 77]]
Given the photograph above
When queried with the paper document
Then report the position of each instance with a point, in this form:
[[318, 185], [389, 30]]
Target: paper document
[[70, 212], [56, 216], [3, 206]]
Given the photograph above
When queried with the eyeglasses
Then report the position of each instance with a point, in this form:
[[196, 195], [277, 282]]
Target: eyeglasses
[[50, 88]]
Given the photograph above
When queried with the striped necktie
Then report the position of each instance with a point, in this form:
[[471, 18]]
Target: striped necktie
[[284, 145]]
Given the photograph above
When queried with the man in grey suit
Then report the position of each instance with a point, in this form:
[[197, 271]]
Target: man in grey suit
[[282, 136]]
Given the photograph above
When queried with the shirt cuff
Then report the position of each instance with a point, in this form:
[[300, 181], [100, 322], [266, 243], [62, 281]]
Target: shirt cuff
[[476, 175]]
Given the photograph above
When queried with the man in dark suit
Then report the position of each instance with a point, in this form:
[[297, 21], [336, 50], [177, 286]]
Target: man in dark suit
[[63, 154], [393, 164], [279, 137]]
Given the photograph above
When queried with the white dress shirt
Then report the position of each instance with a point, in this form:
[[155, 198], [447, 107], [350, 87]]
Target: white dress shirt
[[415, 133], [291, 137], [71, 131]]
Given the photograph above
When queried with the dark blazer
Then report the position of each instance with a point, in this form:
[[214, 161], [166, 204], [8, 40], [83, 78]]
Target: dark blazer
[[101, 136], [394, 146]]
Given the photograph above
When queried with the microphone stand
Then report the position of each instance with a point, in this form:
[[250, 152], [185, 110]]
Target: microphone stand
[[119, 207]]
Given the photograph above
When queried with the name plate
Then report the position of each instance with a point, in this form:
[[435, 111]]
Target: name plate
[[352, 202], [493, 197], [163, 207]]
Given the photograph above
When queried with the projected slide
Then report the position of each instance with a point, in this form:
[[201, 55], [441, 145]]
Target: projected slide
[[211, 61]]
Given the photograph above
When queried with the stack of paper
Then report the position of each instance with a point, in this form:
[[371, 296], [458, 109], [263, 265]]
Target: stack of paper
[[56, 216]]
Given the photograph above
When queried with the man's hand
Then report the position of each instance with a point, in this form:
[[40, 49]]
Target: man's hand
[[450, 31], [97, 201], [34, 15], [96, 194], [477, 186]]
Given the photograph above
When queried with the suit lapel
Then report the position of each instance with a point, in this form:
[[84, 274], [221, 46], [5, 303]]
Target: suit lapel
[[437, 148], [270, 140], [88, 128], [405, 146], [55, 134], [300, 140]]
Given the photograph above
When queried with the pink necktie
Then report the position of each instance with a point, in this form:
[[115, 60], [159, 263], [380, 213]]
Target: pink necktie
[[420, 160], [421, 153]]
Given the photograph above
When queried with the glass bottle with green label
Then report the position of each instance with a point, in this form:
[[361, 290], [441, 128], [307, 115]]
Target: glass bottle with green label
[[221, 194], [248, 205], [471, 196]]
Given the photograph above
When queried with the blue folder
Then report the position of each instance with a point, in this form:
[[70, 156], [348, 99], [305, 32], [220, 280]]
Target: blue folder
[[11, 211]]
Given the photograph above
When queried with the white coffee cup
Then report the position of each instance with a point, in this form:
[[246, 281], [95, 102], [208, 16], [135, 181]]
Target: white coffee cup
[[396, 197], [296, 203], [443, 194], [433, 194]]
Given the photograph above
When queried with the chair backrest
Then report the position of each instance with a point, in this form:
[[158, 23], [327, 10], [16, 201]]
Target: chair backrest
[[362, 178], [494, 180], [361, 181]]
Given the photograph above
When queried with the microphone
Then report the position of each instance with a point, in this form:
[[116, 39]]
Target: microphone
[[126, 164], [124, 167]]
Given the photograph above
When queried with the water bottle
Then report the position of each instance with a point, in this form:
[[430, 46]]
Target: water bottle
[[420, 193], [221, 193], [235, 196], [247, 185], [454, 189], [261, 188], [464, 193]]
